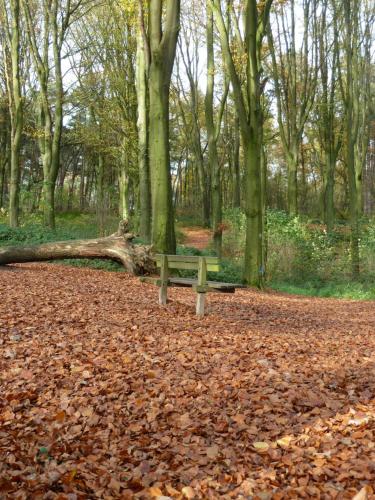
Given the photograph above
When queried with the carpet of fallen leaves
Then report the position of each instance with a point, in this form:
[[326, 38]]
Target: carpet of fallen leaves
[[106, 394]]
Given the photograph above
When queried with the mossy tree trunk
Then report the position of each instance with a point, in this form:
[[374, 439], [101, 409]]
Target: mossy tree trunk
[[330, 128], [249, 108], [55, 19], [236, 165], [213, 130], [142, 72], [13, 81], [162, 43], [351, 122]]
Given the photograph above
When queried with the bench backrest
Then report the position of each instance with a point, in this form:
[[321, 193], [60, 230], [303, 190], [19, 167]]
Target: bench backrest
[[190, 262]]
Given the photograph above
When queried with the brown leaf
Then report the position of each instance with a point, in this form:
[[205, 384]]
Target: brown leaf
[[188, 492], [212, 451], [362, 494], [261, 446], [184, 421]]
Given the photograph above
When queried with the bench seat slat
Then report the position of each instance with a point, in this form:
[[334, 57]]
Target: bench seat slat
[[188, 258], [190, 266], [211, 285], [189, 262]]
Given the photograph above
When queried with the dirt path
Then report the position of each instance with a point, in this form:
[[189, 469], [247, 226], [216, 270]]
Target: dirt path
[[197, 237], [104, 394]]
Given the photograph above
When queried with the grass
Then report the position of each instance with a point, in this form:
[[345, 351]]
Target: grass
[[353, 290]]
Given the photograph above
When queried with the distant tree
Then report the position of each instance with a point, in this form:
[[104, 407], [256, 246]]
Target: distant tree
[[249, 110], [10, 11]]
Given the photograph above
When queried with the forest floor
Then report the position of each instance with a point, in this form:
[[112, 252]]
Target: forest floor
[[105, 394]]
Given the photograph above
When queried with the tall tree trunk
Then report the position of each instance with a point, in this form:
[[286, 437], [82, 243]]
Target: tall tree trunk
[[251, 122], [328, 190], [212, 143], [292, 163], [123, 182], [16, 108], [163, 236], [142, 127], [212, 135], [55, 23], [236, 165], [100, 207], [330, 129], [58, 121], [162, 50], [82, 182], [351, 124]]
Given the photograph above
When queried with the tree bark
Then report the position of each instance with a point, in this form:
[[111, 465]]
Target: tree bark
[[137, 259], [250, 116], [13, 79], [142, 70], [162, 50], [352, 124], [236, 165], [213, 130]]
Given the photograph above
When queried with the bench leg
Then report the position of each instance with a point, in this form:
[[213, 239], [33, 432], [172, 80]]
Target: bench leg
[[163, 295], [201, 298]]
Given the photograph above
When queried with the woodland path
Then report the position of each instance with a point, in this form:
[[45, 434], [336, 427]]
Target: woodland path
[[104, 394], [197, 237]]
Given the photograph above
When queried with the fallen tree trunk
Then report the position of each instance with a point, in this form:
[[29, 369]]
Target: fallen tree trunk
[[137, 259]]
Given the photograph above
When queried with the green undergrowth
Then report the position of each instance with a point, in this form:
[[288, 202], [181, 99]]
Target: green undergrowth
[[301, 258], [354, 290]]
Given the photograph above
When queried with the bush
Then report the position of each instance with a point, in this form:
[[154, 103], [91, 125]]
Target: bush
[[301, 254], [32, 234]]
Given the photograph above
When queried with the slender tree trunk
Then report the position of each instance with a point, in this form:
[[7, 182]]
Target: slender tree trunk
[[45, 146], [82, 183], [212, 135], [16, 115], [71, 191], [58, 120], [100, 194], [123, 182], [236, 166], [142, 127], [327, 112], [251, 122], [328, 191], [351, 125], [292, 162]]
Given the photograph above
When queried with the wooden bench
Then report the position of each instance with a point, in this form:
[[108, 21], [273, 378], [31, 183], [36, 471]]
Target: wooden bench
[[201, 285]]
